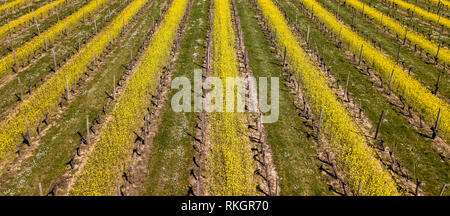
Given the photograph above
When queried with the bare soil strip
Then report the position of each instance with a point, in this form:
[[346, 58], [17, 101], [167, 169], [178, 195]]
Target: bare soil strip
[[202, 142]]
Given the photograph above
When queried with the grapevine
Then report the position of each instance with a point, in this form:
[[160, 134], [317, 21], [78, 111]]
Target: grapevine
[[399, 29], [444, 2], [99, 177], [416, 95], [46, 97], [419, 12], [6, 6], [11, 26], [356, 157], [22, 53]]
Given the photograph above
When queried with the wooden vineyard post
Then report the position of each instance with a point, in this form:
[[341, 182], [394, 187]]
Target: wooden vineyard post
[[118, 189], [95, 26], [114, 87], [125, 189], [440, 32], [110, 40], [207, 61], [420, 122], [145, 133], [379, 124], [346, 86], [307, 37], [34, 17], [28, 135], [439, 18], [299, 81], [263, 152], [93, 58], [21, 87], [359, 187], [436, 125], [362, 12], [54, 59], [79, 44], [9, 28], [10, 40], [37, 26], [203, 119], [340, 37], [45, 42], [437, 83], [443, 189], [360, 54], [276, 185], [260, 128], [320, 124], [398, 54], [353, 19], [284, 58], [123, 25], [87, 129], [418, 182], [338, 11], [437, 53], [15, 61], [84, 19], [67, 28], [67, 84], [203, 125], [390, 82], [131, 55], [40, 189], [406, 33]]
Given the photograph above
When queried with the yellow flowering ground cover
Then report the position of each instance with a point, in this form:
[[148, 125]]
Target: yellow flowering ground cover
[[231, 164]]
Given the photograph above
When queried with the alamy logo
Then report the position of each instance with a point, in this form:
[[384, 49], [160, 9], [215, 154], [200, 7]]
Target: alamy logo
[[227, 95]]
